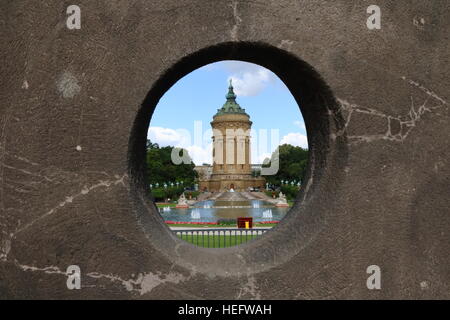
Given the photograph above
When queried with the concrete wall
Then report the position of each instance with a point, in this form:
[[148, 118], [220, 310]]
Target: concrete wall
[[75, 107]]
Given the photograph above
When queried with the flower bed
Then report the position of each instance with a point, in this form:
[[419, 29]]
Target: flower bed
[[212, 223], [267, 222], [190, 222]]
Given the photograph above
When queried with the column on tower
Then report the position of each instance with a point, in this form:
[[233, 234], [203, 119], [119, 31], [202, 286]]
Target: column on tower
[[230, 164], [218, 153], [224, 152], [247, 154], [241, 154]]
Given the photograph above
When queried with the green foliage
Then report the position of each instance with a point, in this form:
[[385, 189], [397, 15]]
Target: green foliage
[[216, 241], [191, 194], [293, 161], [289, 191], [227, 222], [158, 193], [256, 173], [162, 194], [271, 193], [161, 169], [172, 193]]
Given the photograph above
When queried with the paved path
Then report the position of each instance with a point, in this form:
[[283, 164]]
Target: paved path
[[262, 196]]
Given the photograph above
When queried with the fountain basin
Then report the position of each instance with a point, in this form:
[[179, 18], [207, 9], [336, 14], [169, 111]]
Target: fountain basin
[[282, 205], [212, 211]]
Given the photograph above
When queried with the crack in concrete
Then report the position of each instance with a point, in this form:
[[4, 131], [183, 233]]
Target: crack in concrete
[[5, 243], [250, 288], [237, 19], [24, 171], [4, 249], [71, 198], [142, 283], [21, 158], [422, 88], [406, 123], [404, 78], [67, 85], [47, 270], [286, 44]]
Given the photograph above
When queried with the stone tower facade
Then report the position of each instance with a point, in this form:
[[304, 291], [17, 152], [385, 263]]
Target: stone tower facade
[[231, 149]]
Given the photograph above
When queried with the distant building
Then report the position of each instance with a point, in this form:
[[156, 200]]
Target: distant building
[[257, 167], [232, 168], [204, 171]]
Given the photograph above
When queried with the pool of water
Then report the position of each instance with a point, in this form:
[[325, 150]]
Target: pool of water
[[211, 211]]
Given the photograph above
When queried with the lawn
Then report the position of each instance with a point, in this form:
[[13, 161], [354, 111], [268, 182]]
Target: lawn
[[190, 225], [217, 241], [165, 204]]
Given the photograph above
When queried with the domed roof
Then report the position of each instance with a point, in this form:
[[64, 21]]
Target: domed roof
[[230, 106]]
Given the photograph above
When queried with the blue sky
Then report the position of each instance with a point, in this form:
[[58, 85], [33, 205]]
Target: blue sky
[[193, 100]]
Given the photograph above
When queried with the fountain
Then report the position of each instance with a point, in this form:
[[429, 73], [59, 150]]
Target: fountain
[[182, 202], [267, 214], [229, 205], [281, 201], [195, 214]]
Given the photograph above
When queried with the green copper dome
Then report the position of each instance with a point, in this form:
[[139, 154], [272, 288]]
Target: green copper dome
[[230, 105]]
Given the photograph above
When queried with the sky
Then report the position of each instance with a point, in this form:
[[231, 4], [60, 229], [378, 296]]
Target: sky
[[183, 114]]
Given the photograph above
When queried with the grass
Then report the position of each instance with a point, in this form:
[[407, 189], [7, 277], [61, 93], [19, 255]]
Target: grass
[[188, 225], [164, 204], [216, 241]]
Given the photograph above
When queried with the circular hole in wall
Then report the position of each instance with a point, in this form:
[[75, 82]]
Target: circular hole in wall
[[226, 154], [327, 154]]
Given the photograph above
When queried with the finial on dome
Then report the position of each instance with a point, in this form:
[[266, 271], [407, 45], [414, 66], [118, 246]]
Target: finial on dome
[[230, 106], [230, 95]]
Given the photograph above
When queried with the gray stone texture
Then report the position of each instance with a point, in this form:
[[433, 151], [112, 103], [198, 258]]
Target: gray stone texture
[[75, 106]]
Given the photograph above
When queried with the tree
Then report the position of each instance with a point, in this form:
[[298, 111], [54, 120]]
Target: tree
[[293, 161], [161, 169]]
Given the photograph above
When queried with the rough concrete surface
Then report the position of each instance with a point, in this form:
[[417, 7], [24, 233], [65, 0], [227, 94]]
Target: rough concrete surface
[[75, 105]]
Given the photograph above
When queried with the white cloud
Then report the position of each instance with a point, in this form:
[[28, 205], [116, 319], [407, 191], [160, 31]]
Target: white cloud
[[200, 155], [262, 157], [202, 152], [296, 139], [249, 79], [181, 138], [300, 124], [236, 66], [168, 137], [251, 84]]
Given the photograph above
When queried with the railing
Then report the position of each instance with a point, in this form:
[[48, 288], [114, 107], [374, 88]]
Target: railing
[[218, 238]]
